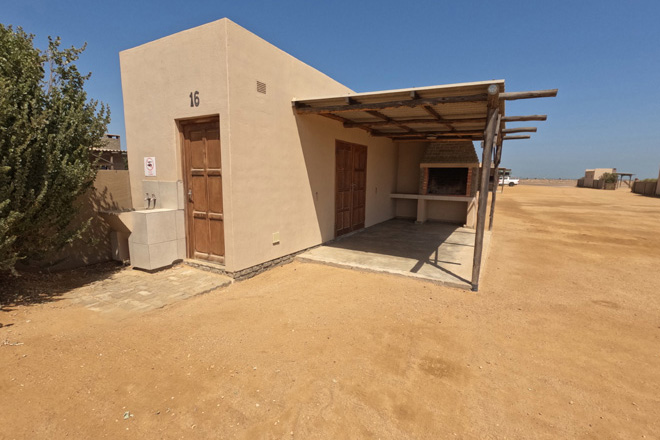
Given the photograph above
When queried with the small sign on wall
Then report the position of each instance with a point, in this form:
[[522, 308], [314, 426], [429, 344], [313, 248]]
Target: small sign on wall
[[150, 166]]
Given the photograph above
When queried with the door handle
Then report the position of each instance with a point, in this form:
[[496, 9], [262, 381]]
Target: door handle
[[190, 199]]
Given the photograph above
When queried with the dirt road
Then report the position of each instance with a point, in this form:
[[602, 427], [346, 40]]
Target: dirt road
[[562, 341]]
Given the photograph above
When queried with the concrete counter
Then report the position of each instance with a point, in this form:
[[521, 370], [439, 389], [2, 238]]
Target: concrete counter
[[423, 199]]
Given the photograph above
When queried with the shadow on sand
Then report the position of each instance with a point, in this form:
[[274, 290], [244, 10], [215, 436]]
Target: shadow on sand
[[36, 287]]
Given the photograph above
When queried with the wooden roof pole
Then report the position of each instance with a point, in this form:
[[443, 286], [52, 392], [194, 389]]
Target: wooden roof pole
[[519, 130], [516, 137], [491, 130], [497, 154], [511, 96], [525, 118]]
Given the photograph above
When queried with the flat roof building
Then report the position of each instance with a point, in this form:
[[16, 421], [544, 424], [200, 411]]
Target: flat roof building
[[242, 155]]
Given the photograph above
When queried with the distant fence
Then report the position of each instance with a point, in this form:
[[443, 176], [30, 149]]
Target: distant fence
[[598, 184], [645, 188]]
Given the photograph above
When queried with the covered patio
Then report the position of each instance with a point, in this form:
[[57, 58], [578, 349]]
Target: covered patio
[[464, 112], [437, 252]]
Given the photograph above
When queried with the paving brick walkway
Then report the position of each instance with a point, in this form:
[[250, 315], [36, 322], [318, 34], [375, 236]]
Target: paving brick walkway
[[129, 290]]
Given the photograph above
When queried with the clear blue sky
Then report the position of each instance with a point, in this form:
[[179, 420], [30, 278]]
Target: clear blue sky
[[603, 56]]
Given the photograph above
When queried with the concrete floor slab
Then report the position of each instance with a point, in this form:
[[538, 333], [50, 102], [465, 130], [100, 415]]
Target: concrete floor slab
[[438, 252]]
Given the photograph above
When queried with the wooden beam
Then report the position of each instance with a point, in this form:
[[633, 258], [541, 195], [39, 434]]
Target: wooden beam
[[496, 162], [344, 120], [491, 129], [302, 108], [519, 130], [380, 115], [493, 196], [431, 111], [525, 118], [438, 140], [498, 152], [432, 133], [386, 118], [508, 138], [352, 124], [336, 117], [493, 95], [511, 96]]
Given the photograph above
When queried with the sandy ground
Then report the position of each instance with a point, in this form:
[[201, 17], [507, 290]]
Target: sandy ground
[[562, 341]]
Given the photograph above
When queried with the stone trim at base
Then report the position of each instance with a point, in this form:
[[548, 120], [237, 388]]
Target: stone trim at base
[[246, 273]]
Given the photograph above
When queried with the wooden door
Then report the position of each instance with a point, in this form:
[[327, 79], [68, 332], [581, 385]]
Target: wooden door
[[203, 187], [351, 186]]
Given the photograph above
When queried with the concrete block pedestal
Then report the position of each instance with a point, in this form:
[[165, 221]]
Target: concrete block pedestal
[[157, 239]]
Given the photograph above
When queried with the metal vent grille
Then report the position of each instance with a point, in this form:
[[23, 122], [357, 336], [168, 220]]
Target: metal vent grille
[[261, 87]]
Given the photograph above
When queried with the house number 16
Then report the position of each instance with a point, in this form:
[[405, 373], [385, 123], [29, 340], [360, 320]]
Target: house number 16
[[194, 99]]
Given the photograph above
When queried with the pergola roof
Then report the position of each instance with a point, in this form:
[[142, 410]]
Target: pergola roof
[[454, 112], [447, 112]]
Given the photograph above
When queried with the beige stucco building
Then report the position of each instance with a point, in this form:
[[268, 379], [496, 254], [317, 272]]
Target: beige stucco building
[[592, 175], [223, 168]]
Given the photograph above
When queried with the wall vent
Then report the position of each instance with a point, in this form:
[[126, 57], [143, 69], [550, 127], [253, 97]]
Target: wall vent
[[261, 87]]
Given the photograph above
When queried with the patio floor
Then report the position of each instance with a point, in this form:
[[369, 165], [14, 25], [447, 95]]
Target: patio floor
[[130, 290], [437, 252]]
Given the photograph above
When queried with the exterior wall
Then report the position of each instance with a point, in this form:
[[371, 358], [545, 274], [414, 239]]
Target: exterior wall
[[408, 173], [112, 191], [157, 79], [280, 170], [112, 196], [589, 178]]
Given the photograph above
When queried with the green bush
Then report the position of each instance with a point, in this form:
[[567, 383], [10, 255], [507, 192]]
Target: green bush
[[47, 126], [610, 177]]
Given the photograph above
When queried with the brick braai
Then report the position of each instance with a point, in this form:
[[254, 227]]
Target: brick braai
[[449, 156]]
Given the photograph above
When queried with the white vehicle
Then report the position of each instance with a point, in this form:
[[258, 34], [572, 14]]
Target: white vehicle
[[507, 180]]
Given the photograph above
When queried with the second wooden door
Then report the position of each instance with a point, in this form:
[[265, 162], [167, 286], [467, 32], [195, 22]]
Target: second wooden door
[[351, 187]]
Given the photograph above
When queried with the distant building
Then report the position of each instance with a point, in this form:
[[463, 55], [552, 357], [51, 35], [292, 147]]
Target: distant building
[[592, 177], [110, 156]]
